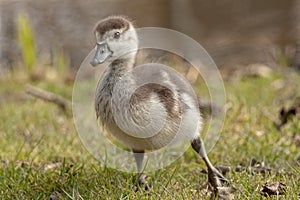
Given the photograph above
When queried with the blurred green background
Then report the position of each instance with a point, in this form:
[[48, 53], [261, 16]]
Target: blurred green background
[[233, 32]]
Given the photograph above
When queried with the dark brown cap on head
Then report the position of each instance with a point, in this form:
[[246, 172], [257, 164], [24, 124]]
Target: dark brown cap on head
[[110, 23]]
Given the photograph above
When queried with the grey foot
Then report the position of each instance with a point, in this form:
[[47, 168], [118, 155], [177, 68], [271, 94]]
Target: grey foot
[[142, 183], [219, 185], [216, 179]]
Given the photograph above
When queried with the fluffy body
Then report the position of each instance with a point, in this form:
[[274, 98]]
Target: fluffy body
[[146, 108], [157, 114]]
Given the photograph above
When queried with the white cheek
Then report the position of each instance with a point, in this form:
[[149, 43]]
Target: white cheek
[[126, 44], [122, 48], [132, 43]]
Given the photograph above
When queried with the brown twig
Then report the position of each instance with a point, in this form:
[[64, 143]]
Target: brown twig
[[62, 103]]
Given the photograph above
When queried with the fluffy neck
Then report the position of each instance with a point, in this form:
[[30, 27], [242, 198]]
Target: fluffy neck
[[121, 66]]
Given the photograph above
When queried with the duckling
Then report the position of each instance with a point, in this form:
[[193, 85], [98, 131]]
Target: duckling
[[121, 102]]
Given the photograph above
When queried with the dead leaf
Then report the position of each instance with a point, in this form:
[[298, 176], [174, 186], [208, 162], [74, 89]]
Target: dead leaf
[[52, 166], [55, 196], [277, 188], [286, 114], [255, 163], [297, 139], [176, 186]]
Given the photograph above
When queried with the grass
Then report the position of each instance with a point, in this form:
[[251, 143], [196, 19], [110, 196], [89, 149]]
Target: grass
[[27, 42], [41, 155]]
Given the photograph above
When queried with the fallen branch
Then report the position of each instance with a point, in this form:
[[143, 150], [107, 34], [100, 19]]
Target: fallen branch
[[62, 103]]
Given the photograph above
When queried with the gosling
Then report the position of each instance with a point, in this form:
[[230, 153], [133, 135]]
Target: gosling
[[115, 36]]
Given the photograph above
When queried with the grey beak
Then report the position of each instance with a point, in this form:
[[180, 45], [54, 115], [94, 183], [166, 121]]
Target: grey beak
[[101, 55]]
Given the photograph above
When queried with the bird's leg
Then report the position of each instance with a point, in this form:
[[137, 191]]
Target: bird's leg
[[215, 178], [139, 156]]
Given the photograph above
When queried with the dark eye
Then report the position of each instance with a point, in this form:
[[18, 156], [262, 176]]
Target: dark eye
[[117, 35]]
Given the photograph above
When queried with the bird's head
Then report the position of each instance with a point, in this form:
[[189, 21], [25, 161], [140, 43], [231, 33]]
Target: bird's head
[[116, 39]]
